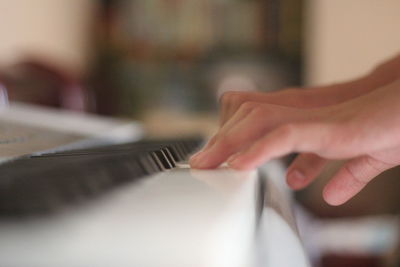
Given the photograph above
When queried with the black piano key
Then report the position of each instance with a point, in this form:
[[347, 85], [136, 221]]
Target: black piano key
[[148, 164], [157, 161], [179, 151], [169, 156], [163, 159], [47, 182], [174, 153]]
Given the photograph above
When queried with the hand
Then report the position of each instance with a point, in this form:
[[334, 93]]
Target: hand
[[364, 129], [308, 165], [320, 96]]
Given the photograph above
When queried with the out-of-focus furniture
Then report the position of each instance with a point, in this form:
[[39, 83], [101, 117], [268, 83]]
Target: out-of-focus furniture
[[39, 82]]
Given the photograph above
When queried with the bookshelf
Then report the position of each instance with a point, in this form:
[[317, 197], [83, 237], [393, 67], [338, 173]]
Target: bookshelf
[[156, 51]]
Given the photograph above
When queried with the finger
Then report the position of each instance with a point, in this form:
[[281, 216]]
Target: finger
[[237, 99], [351, 178], [281, 141], [232, 140], [230, 102], [237, 102], [239, 115], [235, 120], [209, 143], [225, 146], [225, 104], [304, 169], [231, 110]]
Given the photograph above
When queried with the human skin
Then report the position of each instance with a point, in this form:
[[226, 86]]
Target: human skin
[[331, 122], [311, 97]]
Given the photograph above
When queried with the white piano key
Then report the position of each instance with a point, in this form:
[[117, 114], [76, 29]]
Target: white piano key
[[176, 218]]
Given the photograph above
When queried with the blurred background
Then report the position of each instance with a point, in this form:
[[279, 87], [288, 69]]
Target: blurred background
[[161, 62], [145, 59]]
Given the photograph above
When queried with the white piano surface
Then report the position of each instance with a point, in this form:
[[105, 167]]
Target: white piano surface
[[177, 218]]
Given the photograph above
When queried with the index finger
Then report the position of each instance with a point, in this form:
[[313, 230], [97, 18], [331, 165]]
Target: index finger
[[286, 139]]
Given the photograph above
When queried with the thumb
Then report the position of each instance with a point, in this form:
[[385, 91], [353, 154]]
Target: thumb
[[351, 178]]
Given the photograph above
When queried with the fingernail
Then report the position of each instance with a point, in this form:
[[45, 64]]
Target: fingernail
[[233, 160], [296, 175]]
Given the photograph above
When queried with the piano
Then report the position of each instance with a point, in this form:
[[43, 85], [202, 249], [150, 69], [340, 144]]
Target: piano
[[138, 203]]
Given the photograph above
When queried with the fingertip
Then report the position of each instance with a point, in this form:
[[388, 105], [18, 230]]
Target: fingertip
[[201, 163], [195, 156], [296, 179], [202, 166], [208, 159], [332, 197]]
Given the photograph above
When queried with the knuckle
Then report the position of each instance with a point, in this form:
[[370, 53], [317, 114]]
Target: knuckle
[[226, 97], [377, 166], [248, 105], [357, 180], [334, 137], [287, 129], [231, 97], [259, 110], [263, 110]]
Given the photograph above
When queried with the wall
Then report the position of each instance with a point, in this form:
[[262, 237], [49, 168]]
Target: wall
[[346, 38], [57, 29]]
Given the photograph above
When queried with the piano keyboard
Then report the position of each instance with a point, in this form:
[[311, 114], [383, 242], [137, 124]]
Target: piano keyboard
[[161, 216], [45, 182]]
